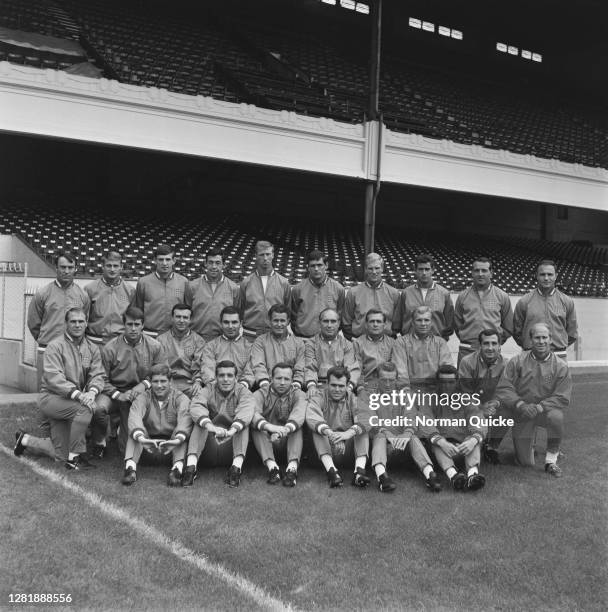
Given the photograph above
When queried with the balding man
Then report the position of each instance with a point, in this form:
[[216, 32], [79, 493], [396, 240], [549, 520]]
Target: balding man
[[536, 387], [372, 293], [546, 304]]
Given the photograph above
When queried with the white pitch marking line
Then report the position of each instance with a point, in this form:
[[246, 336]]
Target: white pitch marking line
[[201, 562]]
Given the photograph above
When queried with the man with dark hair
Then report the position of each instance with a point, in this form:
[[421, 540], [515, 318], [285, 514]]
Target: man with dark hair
[[312, 295], [536, 387], [280, 410], [339, 425], [261, 290], [375, 347], [159, 421], [230, 346], [183, 348], [277, 346], [479, 373], [209, 294], [110, 296], [73, 379], [223, 409], [328, 349], [482, 305], [158, 292], [127, 360], [425, 292], [546, 304], [394, 432], [422, 351], [373, 293], [453, 433]]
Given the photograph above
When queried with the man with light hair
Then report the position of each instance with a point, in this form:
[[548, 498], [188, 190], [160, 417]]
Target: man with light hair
[[263, 288], [425, 292], [110, 296], [372, 293], [548, 305], [312, 295], [536, 387]]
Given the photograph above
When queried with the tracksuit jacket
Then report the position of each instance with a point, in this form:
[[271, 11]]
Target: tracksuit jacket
[[108, 303]]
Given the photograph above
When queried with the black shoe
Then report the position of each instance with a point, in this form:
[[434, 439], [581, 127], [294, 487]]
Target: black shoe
[[334, 478], [233, 477], [80, 462], [554, 470], [386, 484], [274, 476], [475, 482], [459, 481], [291, 478], [490, 455], [19, 447], [129, 476], [175, 478], [433, 483], [360, 478], [98, 451], [190, 475]]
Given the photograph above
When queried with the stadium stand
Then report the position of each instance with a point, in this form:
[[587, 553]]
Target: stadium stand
[[305, 70], [89, 233]]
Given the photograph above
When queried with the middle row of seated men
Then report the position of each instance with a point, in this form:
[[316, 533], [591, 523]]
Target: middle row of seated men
[[217, 377]]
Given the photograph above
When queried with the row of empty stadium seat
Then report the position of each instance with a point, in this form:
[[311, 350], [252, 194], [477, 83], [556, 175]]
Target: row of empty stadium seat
[[288, 65], [89, 233]]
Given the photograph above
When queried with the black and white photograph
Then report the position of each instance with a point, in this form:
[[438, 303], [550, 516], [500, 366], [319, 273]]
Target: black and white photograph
[[303, 305]]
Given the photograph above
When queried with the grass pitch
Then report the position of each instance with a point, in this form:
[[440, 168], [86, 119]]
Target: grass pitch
[[527, 541]]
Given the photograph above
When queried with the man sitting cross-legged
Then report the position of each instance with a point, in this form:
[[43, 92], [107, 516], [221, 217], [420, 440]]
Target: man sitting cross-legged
[[280, 410], [339, 424], [390, 438], [159, 420], [224, 409], [454, 433]]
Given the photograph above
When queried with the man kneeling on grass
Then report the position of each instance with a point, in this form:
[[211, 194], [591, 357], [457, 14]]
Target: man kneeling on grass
[[280, 410], [339, 423], [394, 432], [224, 409], [159, 421], [452, 429]]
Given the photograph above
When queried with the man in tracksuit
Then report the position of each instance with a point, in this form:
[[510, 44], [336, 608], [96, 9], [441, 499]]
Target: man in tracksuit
[[159, 420], [223, 409], [280, 410]]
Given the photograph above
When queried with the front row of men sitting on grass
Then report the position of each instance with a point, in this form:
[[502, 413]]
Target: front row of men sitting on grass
[[213, 426]]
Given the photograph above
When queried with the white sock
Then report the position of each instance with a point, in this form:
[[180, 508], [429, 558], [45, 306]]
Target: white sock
[[379, 469], [327, 462], [472, 470], [25, 439], [191, 461], [102, 443], [72, 456], [238, 461], [292, 466], [129, 463], [450, 472], [271, 464], [178, 465], [360, 462], [551, 457], [426, 470]]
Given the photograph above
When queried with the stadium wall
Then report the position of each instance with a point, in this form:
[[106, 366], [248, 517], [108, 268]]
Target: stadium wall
[[53, 103]]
